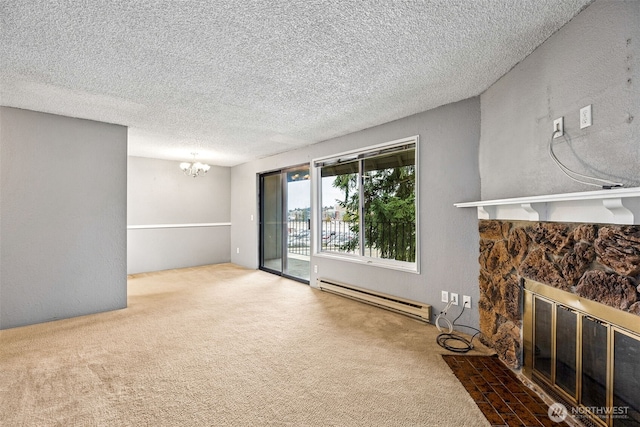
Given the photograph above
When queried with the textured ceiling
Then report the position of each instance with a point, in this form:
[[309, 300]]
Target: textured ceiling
[[238, 80]]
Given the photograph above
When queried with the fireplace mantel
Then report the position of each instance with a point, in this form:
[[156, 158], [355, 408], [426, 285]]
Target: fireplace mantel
[[615, 206]]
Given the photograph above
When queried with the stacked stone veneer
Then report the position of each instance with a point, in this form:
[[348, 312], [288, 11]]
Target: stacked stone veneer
[[599, 262]]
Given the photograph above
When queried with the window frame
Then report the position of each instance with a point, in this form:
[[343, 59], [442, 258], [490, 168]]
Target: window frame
[[368, 151]]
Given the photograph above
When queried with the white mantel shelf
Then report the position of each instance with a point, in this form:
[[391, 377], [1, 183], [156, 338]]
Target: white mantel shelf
[[615, 206]]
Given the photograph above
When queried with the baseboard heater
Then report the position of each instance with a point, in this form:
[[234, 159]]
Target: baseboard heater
[[407, 307]]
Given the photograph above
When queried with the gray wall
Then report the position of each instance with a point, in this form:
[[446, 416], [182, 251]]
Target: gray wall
[[594, 59], [159, 193], [448, 171], [63, 217]]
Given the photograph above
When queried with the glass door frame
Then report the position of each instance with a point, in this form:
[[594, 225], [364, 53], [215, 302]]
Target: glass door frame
[[262, 223], [284, 236]]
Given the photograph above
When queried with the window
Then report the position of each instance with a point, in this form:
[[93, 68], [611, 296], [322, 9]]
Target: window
[[368, 204]]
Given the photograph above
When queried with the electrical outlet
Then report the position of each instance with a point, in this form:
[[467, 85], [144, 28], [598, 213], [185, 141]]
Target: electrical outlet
[[315, 268], [237, 250], [454, 298], [444, 296], [558, 127], [585, 117], [466, 301]]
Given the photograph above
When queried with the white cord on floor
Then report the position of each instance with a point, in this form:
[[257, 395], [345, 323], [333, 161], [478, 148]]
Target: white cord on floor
[[442, 315]]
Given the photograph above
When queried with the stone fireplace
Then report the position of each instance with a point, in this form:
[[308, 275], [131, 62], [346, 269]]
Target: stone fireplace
[[599, 262], [576, 326], [587, 243]]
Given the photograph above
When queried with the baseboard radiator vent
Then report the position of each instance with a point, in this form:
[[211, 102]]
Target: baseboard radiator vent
[[415, 309]]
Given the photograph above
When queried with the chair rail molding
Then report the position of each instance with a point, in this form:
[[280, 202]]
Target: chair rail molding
[[191, 225]]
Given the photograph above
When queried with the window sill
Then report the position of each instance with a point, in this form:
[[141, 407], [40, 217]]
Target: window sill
[[388, 264]]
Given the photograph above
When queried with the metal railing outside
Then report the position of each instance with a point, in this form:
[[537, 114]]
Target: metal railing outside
[[389, 240]]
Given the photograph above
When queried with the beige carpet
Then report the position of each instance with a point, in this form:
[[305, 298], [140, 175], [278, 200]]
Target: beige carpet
[[224, 346]]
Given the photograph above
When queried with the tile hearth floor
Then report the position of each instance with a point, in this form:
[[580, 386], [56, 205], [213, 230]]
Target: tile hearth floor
[[501, 396]]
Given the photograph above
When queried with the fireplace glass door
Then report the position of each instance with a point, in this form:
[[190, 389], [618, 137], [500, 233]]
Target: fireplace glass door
[[584, 354], [567, 326], [626, 380], [543, 337], [555, 356], [594, 363]]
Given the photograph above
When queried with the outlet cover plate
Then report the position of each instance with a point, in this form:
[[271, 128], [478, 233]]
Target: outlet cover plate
[[444, 296], [585, 117], [466, 301], [558, 127]]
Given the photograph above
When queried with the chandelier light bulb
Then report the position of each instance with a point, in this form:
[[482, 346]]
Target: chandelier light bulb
[[194, 169]]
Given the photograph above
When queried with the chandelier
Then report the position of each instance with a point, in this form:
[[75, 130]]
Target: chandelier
[[194, 169]]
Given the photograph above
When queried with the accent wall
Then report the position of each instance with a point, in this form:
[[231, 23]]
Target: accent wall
[[62, 217]]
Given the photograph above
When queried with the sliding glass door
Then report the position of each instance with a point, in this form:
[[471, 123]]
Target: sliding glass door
[[285, 235], [271, 222]]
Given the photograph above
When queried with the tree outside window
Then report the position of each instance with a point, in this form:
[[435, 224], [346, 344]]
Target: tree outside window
[[374, 203]]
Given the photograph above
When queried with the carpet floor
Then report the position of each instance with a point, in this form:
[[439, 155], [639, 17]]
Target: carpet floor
[[224, 346]]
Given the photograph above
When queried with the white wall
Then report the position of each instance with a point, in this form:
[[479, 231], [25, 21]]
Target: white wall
[[62, 217], [448, 164], [594, 59], [159, 193]]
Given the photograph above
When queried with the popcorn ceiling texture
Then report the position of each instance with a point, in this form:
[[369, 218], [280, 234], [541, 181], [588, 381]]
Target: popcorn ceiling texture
[[237, 81]]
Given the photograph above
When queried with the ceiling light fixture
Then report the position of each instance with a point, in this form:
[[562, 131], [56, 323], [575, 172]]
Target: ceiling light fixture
[[194, 169]]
